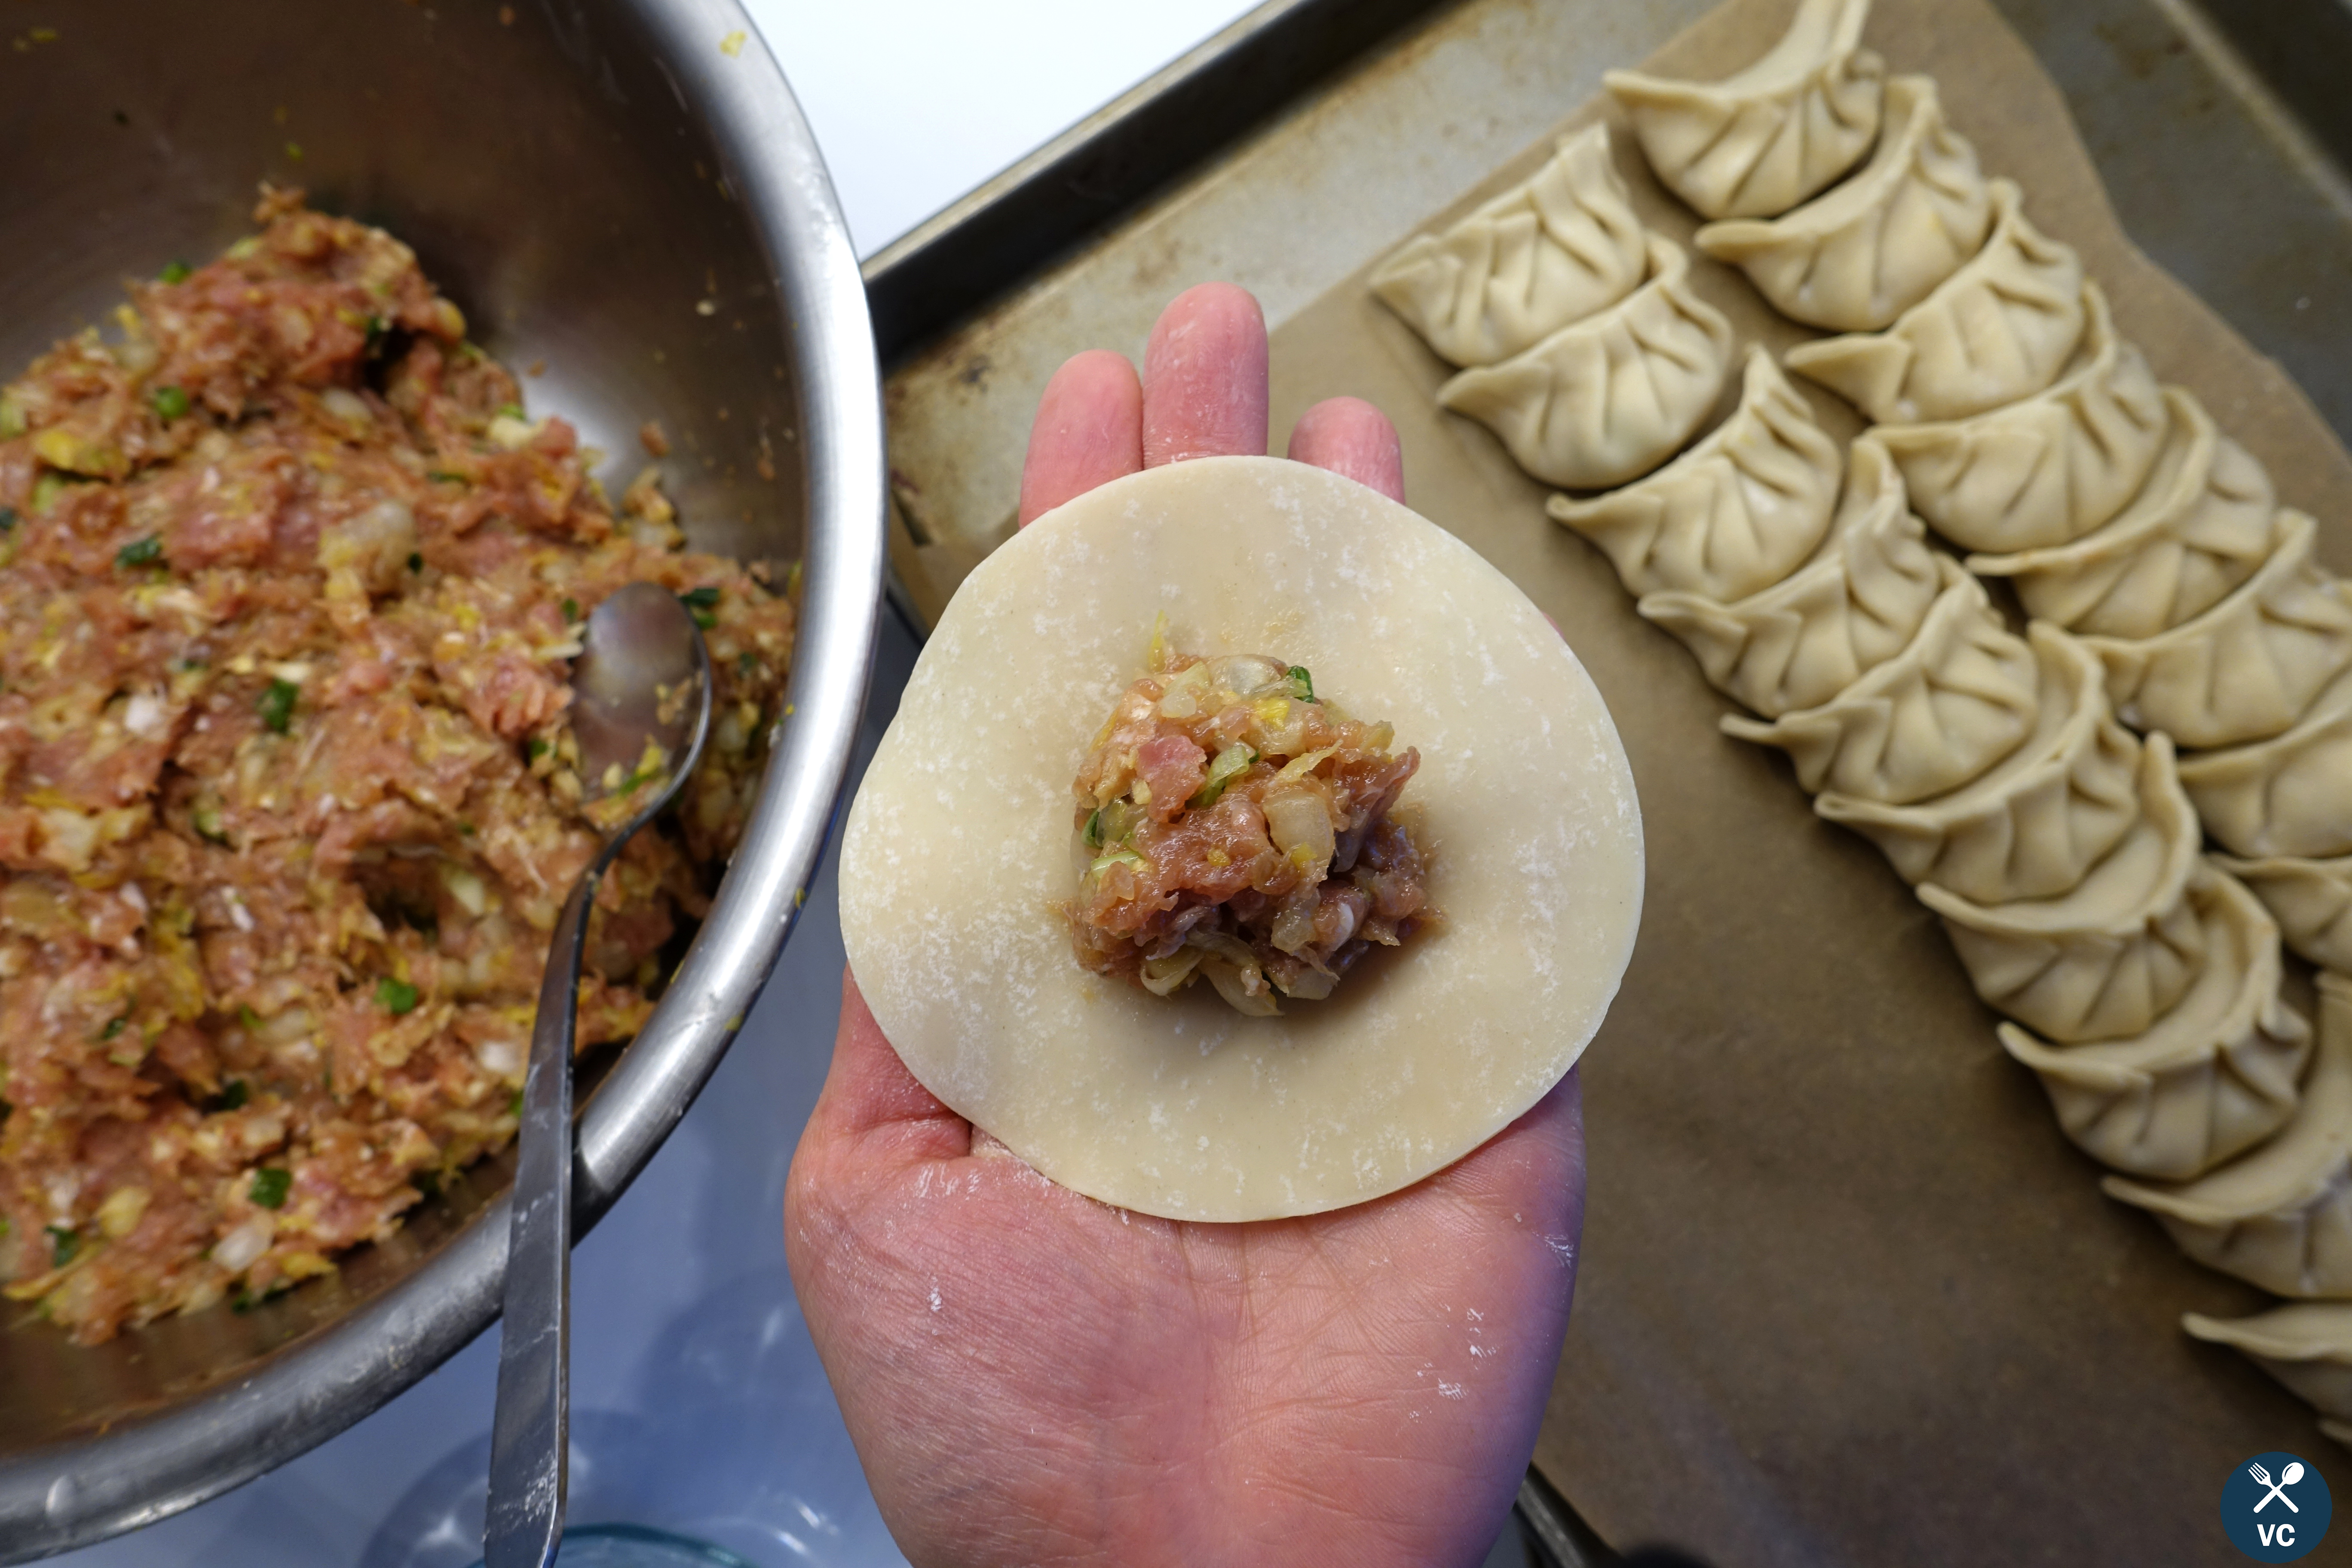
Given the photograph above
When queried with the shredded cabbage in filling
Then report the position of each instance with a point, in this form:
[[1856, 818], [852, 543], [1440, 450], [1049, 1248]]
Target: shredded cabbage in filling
[[1240, 827]]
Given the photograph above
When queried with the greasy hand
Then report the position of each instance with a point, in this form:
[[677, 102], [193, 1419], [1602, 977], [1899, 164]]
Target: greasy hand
[[1032, 1377]]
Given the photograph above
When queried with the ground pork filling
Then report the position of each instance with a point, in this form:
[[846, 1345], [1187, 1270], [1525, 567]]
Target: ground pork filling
[[1239, 828], [289, 586]]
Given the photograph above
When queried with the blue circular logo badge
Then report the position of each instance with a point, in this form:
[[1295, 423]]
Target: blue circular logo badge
[[2275, 1507]]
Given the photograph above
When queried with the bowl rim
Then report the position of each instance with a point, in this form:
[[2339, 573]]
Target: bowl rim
[[70, 1494]]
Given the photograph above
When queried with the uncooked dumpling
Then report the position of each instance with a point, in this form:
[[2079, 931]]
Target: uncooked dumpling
[[960, 849], [2104, 960], [2046, 469], [1999, 329], [2310, 899], [2280, 1218], [2034, 825], [2212, 1077], [1854, 258], [2291, 794], [1803, 640], [1960, 699], [1608, 398], [1755, 144], [2247, 667], [1553, 249], [2199, 526], [1734, 513], [2306, 1345]]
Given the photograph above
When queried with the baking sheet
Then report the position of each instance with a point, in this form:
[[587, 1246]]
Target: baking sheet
[[1847, 1293]]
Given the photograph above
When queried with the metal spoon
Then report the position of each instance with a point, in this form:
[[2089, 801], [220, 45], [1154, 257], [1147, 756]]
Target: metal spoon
[[641, 711]]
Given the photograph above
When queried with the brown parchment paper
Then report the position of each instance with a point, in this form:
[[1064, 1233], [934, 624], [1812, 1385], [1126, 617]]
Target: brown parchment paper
[[1847, 1295]]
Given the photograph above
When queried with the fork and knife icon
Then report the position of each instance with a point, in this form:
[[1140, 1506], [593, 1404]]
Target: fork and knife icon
[[2287, 1478]]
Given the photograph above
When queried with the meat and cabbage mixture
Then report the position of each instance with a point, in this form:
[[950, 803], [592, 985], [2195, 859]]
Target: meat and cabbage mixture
[[1241, 828], [289, 586]]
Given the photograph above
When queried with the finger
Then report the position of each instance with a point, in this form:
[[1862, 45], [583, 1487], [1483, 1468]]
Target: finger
[[1089, 431], [869, 1090], [1204, 392], [1351, 438]]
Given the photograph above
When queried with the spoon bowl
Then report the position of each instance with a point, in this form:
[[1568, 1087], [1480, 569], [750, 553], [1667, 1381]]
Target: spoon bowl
[[641, 715]]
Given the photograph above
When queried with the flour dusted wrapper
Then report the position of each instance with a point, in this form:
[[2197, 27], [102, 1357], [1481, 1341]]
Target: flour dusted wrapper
[[960, 845]]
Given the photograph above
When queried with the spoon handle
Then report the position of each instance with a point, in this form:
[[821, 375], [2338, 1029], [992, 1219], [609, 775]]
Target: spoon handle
[[530, 1433]]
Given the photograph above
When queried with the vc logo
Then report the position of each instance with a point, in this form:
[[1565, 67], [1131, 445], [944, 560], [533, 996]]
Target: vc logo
[[2274, 1507]]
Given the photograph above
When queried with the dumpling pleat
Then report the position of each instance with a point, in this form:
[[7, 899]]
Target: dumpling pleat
[[1609, 398], [2105, 960], [1962, 696], [2280, 1218], [2306, 1345], [1734, 513], [2288, 796], [1857, 258], [1755, 144], [1999, 329], [1553, 249], [2035, 825], [2049, 469], [2201, 525], [2212, 1077], [2248, 668], [1816, 632]]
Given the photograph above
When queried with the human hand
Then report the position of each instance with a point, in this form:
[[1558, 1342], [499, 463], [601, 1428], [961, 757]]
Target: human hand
[[1034, 1377]]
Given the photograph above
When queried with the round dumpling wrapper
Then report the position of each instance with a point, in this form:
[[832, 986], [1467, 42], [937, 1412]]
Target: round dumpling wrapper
[[960, 850]]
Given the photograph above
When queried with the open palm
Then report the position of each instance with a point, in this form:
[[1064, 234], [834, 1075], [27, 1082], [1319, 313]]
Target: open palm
[[1034, 1377]]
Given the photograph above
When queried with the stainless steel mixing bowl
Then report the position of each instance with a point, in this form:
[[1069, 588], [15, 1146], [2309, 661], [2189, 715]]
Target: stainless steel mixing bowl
[[625, 190]]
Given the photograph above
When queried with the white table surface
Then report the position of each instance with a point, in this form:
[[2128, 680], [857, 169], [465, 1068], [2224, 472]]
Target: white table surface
[[698, 1405]]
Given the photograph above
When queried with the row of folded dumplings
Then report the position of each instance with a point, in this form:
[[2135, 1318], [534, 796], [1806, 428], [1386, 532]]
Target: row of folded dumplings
[[2027, 786]]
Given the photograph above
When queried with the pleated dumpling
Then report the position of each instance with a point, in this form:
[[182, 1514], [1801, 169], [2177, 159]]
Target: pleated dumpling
[[1736, 513], [1552, 249], [1855, 605], [2247, 667], [2306, 1345], [2212, 1077], [2280, 1218], [2288, 796], [1855, 258], [2034, 825], [2199, 526], [1607, 399], [1962, 696], [2310, 899], [1999, 329], [1755, 144], [2105, 960], [2046, 469]]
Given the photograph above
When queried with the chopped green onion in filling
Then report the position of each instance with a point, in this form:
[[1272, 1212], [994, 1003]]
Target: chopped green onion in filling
[[271, 1185], [277, 706]]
